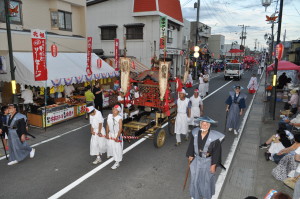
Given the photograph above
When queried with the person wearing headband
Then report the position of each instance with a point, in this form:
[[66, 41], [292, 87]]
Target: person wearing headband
[[113, 134], [196, 106], [204, 156], [235, 106], [98, 140], [183, 112]]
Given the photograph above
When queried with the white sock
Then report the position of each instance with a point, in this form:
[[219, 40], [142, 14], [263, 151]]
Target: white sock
[[98, 157], [178, 138]]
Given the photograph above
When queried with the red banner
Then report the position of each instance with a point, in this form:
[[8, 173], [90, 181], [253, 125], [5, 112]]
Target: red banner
[[38, 39], [89, 51], [117, 56], [279, 51]]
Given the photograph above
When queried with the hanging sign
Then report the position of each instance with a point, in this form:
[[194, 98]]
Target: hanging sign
[[163, 32], [54, 50], [38, 39], [117, 56]]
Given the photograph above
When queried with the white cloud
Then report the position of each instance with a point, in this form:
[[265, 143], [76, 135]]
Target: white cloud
[[224, 16]]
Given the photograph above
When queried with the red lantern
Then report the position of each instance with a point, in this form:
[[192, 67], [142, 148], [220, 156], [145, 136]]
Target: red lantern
[[89, 71], [279, 51], [133, 65], [99, 63], [54, 50]]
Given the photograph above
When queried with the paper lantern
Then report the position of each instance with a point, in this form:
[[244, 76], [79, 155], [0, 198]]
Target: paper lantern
[[54, 50], [279, 51], [99, 63]]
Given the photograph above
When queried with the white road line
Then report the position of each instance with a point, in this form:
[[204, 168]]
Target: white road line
[[53, 138], [103, 165], [92, 172], [223, 174]]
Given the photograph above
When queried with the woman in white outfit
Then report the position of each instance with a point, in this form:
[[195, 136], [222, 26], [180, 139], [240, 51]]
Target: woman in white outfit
[[98, 140], [181, 121], [113, 134], [201, 87], [196, 106]]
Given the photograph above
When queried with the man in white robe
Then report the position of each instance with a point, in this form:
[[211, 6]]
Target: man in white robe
[[98, 140], [181, 121], [196, 106]]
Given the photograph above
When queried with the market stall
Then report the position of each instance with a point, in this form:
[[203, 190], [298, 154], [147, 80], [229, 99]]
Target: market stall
[[65, 69]]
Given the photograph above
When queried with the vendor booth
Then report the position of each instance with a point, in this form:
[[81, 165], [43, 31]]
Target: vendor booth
[[64, 70], [291, 70]]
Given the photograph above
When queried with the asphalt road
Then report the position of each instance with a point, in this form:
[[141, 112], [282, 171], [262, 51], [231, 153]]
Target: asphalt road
[[145, 172]]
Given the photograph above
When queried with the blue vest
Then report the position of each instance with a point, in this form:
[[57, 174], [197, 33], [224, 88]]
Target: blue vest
[[17, 117]]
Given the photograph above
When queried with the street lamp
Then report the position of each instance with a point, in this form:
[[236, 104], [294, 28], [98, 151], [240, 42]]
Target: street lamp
[[266, 3]]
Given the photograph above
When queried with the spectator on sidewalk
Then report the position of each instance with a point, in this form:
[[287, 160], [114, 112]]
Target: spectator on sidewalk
[[235, 106], [277, 142], [280, 195], [18, 148], [282, 80], [287, 151], [3, 128], [27, 96], [292, 104], [113, 133], [98, 140]]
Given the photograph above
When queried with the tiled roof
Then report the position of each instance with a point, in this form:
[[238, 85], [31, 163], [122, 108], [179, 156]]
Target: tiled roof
[[144, 5], [170, 8]]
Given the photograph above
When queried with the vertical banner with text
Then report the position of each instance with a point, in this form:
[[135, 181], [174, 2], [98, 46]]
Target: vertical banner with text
[[117, 56], [89, 56], [163, 32], [38, 39]]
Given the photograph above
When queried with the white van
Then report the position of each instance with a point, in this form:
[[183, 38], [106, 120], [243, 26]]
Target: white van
[[233, 71]]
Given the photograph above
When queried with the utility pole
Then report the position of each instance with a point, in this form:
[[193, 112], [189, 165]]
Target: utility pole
[[255, 45], [10, 52], [284, 35], [276, 60], [196, 40], [242, 38]]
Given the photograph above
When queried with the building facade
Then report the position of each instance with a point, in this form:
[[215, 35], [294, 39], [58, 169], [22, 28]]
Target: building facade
[[217, 46], [136, 23], [294, 52], [64, 21]]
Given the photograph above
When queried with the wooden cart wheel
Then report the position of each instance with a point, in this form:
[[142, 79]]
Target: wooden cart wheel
[[159, 138], [127, 132], [171, 127]]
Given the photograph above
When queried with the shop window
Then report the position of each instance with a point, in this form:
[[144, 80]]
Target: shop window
[[61, 20], [15, 9], [134, 31], [108, 32], [170, 37]]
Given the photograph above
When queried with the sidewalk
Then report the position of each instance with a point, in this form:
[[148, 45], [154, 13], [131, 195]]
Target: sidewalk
[[250, 174]]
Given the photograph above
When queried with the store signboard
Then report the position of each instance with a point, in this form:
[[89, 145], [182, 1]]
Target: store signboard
[[163, 32], [89, 56], [170, 51], [38, 39], [58, 116], [81, 109]]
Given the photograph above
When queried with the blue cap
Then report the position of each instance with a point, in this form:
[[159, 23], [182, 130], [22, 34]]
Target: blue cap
[[205, 119]]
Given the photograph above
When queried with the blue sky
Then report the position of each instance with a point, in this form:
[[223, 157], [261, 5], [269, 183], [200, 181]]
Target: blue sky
[[224, 16]]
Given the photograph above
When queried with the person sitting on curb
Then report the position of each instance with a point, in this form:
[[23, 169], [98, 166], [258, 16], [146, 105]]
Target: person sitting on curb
[[277, 142]]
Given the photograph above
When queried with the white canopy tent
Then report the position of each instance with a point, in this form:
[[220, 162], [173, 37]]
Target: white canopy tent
[[66, 66]]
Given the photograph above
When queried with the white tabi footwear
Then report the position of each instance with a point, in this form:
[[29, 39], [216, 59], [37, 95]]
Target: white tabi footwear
[[12, 162], [230, 129], [32, 153], [235, 132], [115, 166], [98, 160]]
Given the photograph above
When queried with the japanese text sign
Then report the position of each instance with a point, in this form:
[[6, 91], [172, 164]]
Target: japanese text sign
[[38, 39]]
